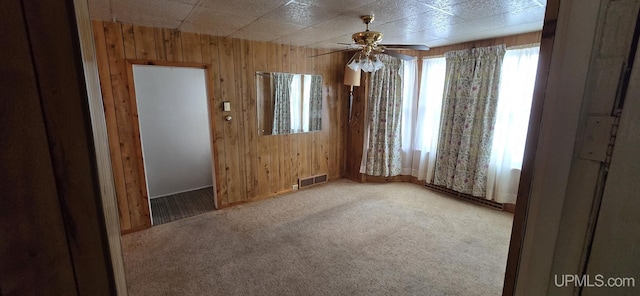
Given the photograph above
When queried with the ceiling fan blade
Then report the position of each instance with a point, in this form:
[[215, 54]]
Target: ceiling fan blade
[[335, 51], [406, 46], [396, 54]]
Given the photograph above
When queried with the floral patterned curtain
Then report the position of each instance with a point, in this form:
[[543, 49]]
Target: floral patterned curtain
[[315, 104], [281, 109], [384, 152], [468, 119]]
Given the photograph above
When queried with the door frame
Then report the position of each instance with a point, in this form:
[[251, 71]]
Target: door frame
[[208, 73], [559, 187], [533, 136]]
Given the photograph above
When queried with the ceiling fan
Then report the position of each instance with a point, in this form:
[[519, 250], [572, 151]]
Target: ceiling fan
[[367, 44]]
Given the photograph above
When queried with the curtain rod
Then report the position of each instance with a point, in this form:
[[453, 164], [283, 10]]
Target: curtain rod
[[522, 46]]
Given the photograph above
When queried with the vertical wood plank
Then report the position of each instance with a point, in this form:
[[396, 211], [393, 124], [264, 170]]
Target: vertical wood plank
[[112, 125], [342, 101], [333, 115], [274, 152], [138, 204], [250, 115], [205, 49], [161, 53], [129, 41], [173, 45], [241, 126], [355, 130], [228, 89], [342, 115], [285, 55], [263, 157], [191, 51], [219, 138], [510, 40], [205, 46], [145, 43], [136, 140]]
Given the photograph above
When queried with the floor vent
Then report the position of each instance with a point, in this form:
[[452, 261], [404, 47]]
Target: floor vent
[[313, 180], [477, 200]]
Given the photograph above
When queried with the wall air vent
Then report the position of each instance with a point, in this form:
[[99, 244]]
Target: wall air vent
[[313, 180], [320, 179]]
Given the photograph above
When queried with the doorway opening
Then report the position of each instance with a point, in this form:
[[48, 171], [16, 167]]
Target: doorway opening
[[175, 135]]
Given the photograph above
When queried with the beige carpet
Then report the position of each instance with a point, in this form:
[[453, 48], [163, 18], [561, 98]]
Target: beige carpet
[[340, 238]]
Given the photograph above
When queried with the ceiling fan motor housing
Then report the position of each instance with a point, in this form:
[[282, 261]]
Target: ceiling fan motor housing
[[367, 38]]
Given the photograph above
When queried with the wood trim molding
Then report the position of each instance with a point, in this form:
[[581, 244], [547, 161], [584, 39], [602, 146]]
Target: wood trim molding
[[101, 143], [137, 144], [526, 176], [134, 117], [168, 63], [510, 208]]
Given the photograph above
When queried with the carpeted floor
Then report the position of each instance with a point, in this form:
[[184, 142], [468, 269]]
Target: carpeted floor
[[341, 238]]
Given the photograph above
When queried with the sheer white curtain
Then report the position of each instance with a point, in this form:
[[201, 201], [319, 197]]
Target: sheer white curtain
[[306, 99], [514, 105], [409, 112], [421, 117], [296, 100]]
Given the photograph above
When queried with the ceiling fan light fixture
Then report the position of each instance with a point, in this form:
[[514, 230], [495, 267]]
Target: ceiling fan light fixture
[[367, 63]]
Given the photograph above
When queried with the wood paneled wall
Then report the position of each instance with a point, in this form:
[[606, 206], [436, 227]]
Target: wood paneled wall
[[356, 130], [247, 166]]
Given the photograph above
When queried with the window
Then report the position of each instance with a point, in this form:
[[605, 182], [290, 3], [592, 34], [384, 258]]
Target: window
[[421, 120], [517, 80], [421, 117], [295, 101], [300, 90]]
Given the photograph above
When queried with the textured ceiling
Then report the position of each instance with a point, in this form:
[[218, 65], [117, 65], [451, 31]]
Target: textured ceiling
[[324, 23]]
